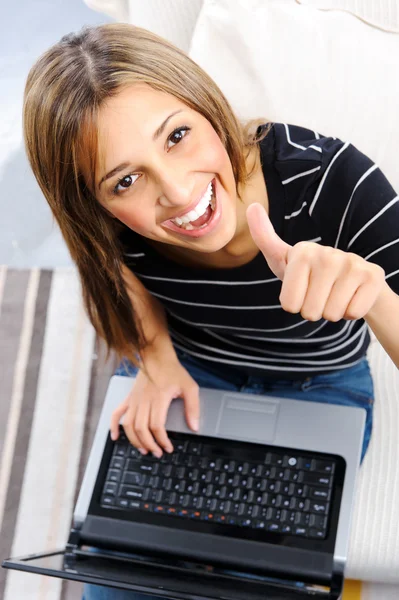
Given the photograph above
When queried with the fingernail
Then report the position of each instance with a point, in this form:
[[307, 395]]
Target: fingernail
[[157, 453], [195, 424], [113, 436], [169, 449], [144, 452]]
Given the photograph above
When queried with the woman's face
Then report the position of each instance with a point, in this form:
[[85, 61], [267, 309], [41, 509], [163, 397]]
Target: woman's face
[[165, 173]]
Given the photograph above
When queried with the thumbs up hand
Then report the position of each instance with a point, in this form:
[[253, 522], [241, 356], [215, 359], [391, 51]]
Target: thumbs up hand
[[318, 281]]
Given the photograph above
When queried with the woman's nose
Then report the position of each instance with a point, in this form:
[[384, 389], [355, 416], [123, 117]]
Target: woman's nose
[[174, 192]]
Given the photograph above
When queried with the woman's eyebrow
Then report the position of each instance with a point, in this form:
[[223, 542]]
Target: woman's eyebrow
[[156, 135], [160, 129]]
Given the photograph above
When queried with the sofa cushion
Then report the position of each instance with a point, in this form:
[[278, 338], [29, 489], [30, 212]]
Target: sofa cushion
[[379, 14], [325, 70], [173, 20]]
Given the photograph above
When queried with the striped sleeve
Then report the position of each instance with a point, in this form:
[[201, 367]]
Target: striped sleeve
[[356, 208]]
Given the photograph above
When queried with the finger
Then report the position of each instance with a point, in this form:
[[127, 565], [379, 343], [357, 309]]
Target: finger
[[158, 417], [321, 281], [343, 302], [141, 428], [274, 249], [295, 285], [116, 417], [362, 301], [128, 427], [192, 405]]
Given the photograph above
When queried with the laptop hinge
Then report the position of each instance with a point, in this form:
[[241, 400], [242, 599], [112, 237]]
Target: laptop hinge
[[73, 542], [337, 581]]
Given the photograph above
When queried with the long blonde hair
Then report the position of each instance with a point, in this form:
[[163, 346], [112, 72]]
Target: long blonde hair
[[64, 91]]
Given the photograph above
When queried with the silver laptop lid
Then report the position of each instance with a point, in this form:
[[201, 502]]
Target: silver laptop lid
[[271, 420]]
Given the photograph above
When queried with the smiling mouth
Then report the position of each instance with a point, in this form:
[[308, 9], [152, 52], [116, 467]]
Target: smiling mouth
[[198, 217]]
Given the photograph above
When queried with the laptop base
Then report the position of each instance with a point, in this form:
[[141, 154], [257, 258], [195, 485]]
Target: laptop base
[[142, 575]]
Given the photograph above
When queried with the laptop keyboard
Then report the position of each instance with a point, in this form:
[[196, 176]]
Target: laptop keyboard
[[210, 481]]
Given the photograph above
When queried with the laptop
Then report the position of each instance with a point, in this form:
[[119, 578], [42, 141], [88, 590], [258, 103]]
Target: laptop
[[257, 504]]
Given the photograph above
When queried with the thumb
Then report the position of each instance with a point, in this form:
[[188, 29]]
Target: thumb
[[192, 406], [273, 248]]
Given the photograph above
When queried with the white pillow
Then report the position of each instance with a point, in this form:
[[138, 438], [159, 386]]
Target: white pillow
[[326, 70], [173, 20], [383, 14]]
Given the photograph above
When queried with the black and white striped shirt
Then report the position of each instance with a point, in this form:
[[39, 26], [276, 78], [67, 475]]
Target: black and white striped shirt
[[320, 189]]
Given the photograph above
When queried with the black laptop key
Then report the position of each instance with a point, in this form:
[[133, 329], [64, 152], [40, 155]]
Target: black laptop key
[[283, 501], [134, 453], [317, 521], [274, 459], [314, 479], [301, 519], [321, 508], [129, 491], [114, 475], [304, 464], [316, 533], [166, 470], [133, 478], [232, 466], [272, 486], [107, 501], [288, 489], [123, 502], [323, 466], [143, 466], [121, 450], [182, 446], [319, 494], [110, 489], [195, 448], [301, 491], [117, 463]]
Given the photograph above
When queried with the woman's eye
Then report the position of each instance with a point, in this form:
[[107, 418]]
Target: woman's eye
[[176, 135], [124, 183]]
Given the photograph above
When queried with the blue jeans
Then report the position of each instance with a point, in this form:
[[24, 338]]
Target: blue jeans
[[346, 387]]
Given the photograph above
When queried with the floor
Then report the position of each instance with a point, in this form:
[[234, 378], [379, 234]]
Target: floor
[[28, 235]]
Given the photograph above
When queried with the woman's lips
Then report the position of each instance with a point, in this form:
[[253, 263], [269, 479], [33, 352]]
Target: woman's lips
[[204, 230]]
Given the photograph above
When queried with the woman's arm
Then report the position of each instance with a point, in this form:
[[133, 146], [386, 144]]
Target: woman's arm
[[144, 410], [151, 315], [383, 319]]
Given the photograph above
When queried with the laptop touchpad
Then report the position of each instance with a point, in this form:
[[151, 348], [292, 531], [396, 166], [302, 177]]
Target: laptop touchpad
[[245, 416]]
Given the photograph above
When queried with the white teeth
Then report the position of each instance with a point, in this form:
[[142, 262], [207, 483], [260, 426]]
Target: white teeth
[[199, 210], [202, 206], [192, 215]]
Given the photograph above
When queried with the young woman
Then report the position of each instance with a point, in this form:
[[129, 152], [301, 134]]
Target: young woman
[[211, 253]]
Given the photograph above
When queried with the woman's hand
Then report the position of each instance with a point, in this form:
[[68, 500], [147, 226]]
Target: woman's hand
[[145, 408], [318, 281]]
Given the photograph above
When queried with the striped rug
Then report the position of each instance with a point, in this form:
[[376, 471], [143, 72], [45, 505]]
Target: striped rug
[[53, 379]]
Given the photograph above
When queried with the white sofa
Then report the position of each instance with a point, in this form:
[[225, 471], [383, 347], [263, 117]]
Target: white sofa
[[329, 65]]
